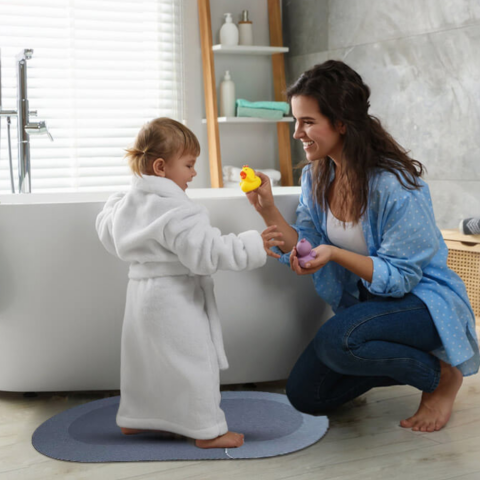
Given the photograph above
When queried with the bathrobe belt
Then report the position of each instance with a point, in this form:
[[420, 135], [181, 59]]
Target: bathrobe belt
[[141, 271]]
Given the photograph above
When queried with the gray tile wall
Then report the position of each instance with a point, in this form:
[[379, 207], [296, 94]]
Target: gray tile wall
[[424, 76]]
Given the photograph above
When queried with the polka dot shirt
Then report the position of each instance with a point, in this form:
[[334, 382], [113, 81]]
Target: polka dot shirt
[[408, 254]]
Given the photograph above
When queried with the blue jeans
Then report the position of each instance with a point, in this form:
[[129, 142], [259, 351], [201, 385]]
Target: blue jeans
[[376, 342]]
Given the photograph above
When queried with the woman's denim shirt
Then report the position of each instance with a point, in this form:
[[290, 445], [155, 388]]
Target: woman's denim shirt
[[408, 254]]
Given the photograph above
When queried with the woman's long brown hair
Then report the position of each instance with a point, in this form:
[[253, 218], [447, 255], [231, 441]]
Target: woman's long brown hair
[[342, 97]]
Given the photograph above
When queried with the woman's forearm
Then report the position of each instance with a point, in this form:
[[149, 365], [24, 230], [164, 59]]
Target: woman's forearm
[[290, 235], [358, 264]]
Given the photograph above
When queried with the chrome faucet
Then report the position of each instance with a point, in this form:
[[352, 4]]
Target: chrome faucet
[[25, 127]]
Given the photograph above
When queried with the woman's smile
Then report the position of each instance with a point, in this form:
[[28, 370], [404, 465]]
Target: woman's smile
[[307, 144]]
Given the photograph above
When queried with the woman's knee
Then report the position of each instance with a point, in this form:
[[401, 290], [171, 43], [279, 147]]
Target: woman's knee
[[330, 345]]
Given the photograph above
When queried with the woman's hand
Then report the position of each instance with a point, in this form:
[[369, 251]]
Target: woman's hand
[[262, 200], [323, 256], [262, 197], [269, 236]]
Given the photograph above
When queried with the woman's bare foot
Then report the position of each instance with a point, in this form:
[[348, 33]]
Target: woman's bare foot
[[436, 407], [228, 440]]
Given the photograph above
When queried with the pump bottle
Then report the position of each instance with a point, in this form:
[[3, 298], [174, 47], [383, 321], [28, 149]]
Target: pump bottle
[[229, 32], [227, 96]]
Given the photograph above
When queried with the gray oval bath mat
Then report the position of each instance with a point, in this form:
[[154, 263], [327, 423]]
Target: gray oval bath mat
[[88, 433]]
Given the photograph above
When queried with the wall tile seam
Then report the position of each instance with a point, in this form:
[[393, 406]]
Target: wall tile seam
[[394, 39]]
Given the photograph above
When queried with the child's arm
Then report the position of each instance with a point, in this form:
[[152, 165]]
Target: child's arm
[[104, 222], [186, 231]]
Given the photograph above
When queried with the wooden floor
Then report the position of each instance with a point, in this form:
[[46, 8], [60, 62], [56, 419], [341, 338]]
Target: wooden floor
[[364, 442]]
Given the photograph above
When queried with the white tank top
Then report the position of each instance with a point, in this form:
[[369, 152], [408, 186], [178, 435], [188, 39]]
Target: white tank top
[[349, 238]]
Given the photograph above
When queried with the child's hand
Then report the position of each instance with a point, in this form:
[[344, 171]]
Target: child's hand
[[269, 235], [322, 254]]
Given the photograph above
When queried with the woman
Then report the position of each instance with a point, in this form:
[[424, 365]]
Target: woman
[[401, 315]]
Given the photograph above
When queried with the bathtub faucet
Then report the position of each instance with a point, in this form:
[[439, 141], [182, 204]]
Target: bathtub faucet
[[25, 127]]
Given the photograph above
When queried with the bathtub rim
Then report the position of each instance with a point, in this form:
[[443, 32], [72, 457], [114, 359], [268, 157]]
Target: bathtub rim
[[99, 197]]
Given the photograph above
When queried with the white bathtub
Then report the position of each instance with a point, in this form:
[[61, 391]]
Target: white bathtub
[[62, 296]]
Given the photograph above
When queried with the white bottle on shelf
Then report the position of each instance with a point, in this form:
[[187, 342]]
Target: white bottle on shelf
[[245, 30], [229, 32], [227, 96]]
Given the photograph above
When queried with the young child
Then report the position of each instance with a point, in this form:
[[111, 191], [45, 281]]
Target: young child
[[172, 347]]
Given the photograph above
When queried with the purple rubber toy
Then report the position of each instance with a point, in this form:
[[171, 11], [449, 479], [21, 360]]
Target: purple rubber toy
[[305, 252]]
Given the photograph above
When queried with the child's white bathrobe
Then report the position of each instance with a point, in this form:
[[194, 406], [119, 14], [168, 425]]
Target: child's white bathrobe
[[172, 347]]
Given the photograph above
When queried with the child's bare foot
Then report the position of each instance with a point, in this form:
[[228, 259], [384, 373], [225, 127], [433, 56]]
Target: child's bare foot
[[228, 440], [131, 431], [134, 431], [436, 407]]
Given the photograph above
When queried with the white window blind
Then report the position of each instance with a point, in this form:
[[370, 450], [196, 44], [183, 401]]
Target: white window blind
[[99, 71]]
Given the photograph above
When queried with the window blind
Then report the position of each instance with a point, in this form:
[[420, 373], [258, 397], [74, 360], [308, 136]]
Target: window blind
[[99, 71]]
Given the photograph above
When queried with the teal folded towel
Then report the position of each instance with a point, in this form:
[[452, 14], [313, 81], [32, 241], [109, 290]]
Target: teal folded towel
[[259, 113], [281, 106]]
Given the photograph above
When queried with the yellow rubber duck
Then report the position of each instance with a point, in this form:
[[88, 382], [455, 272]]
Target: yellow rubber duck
[[249, 180]]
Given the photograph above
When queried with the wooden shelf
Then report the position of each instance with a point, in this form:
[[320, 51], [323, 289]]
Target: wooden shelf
[[249, 120], [276, 50], [249, 49]]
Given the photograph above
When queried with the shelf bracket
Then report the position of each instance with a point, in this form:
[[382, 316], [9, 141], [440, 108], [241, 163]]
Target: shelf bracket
[[280, 87], [211, 108]]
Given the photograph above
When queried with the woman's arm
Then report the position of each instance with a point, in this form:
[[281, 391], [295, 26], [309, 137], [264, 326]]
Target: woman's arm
[[360, 265], [288, 234], [262, 200]]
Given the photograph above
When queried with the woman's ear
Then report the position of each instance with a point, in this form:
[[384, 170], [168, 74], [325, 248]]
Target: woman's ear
[[158, 167], [341, 128]]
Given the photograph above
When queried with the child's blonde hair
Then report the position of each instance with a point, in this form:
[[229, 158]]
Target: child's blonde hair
[[161, 138]]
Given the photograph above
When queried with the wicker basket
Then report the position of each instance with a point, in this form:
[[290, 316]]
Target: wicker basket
[[464, 259]]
